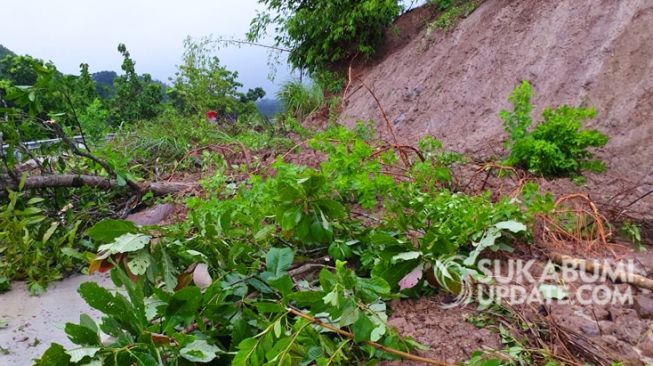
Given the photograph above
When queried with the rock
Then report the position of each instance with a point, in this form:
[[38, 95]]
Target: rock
[[591, 329], [646, 348], [606, 326], [628, 326], [598, 312], [644, 306], [151, 216]]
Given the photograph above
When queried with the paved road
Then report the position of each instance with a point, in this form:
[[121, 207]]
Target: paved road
[[35, 322]]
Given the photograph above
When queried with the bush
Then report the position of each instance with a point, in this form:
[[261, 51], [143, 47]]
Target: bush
[[558, 145]]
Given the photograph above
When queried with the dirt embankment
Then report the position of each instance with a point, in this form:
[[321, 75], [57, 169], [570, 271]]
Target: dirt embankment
[[578, 52]]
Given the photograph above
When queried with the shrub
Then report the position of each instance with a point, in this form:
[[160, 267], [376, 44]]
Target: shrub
[[451, 12], [558, 145], [202, 83]]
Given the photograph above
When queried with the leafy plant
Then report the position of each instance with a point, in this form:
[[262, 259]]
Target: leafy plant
[[558, 145], [452, 11], [136, 96], [225, 322], [202, 84], [632, 232], [321, 34], [300, 100], [34, 247]]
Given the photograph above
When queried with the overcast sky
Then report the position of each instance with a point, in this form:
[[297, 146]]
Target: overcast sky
[[69, 32]]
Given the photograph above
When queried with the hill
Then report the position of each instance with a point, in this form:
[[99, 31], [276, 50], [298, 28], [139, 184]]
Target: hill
[[5, 51], [453, 84]]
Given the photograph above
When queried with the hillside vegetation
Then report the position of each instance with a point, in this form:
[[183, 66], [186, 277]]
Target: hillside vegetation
[[298, 239]]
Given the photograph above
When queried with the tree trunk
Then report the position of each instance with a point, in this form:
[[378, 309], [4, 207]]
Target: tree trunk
[[71, 181]]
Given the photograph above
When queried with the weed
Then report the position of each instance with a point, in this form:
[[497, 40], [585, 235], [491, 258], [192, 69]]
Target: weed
[[633, 233], [452, 11]]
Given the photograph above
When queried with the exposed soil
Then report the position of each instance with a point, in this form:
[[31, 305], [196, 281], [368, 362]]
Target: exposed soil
[[452, 86], [447, 333]]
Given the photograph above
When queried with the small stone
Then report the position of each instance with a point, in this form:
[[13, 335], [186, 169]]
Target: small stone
[[591, 329], [646, 348], [644, 306], [629, 327], [151, 216], [606, 326]]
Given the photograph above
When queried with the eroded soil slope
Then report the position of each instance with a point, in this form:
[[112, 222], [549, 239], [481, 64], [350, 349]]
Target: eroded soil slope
[[452, 85]]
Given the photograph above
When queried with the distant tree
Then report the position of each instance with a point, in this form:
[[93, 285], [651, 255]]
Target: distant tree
[[202, 84], [252, 95], [20, 70], [5, 51], [104, 83], [136, 97]]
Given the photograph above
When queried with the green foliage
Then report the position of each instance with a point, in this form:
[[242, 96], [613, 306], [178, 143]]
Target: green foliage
[[452, 11], [34, 247], [93, 120], [322, 34], [4, 51], [220, 288], [136, 96], [20, 70], [151, 326], [632, 232], [300, 100], [202, 84], [558, 145]]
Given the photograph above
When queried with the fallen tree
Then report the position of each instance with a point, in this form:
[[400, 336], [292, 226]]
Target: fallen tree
[[74, 180]]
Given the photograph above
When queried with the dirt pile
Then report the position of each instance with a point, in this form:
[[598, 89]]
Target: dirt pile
[[577, 52]]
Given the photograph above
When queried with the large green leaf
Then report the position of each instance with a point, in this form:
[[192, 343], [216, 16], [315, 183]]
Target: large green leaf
[[200, 351], [78, 354], [82, 335], [363, 328], [278, 260], [54, 356], [126, 243], [108, 230]]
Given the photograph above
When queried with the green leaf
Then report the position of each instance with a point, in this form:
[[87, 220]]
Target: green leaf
[[140, 263], [290, 218], [183, 304], [283, 284], [246, 353], [307, 298], [107, 231], [82, 335], [78, 354], [406, 256], [126, 243], [200, 351], [511, 225], [278, 260], [48, 233], [362, 328], [86, 321], [54, 356]]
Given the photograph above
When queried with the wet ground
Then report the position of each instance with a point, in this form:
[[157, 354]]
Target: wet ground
[[28, 324]]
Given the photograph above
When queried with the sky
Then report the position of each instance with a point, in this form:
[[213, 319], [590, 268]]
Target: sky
[[69, 32]]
